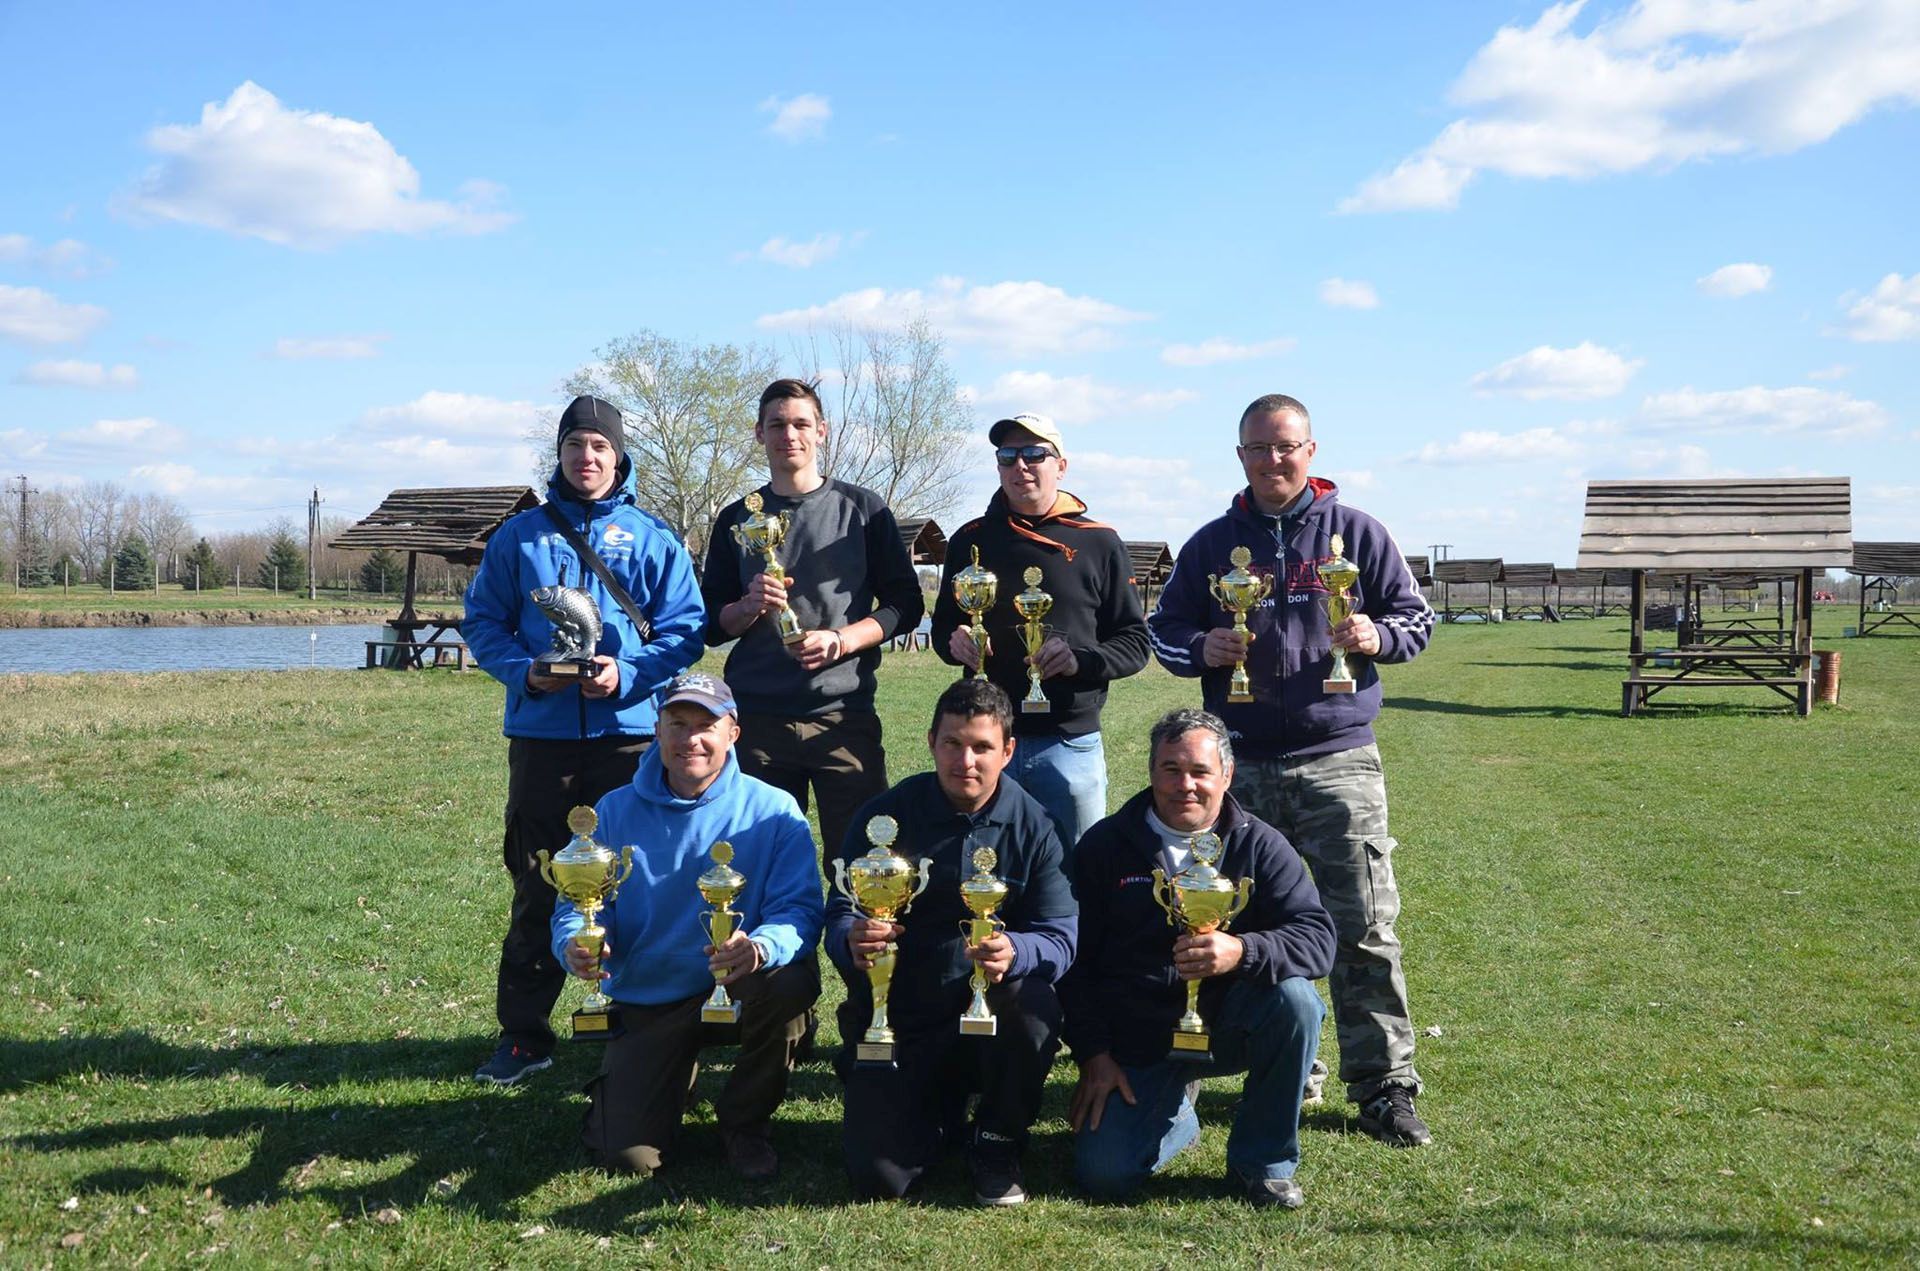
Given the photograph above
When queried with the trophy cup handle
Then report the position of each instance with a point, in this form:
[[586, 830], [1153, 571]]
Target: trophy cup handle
[[925, 877], [546, 868], [1160, 895], [1213, 589], [840, 881], [1239, 901], [626, 868]]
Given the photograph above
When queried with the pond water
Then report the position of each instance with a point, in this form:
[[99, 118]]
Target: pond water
[[249, 648]]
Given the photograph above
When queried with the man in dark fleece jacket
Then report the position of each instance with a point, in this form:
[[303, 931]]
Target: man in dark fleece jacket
[[1097, 631], [1308, 763], [1133, 1109]]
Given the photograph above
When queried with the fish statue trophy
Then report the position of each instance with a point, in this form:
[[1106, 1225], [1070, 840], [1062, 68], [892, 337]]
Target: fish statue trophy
[[981, 894], [882, 885], [576, 623], [1239, 591], [720, 887], [764, 534], [973, 590], [587, 875], [1033, 605], [1338, 575], [1198, 899]]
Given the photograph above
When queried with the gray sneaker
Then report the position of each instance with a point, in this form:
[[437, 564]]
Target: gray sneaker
[[1389, 1117], [1273, 1193]]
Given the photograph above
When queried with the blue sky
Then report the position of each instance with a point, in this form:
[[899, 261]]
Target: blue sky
[[1498, 250]]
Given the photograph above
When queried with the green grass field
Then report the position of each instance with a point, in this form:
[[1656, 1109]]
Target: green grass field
[[1664, 969]]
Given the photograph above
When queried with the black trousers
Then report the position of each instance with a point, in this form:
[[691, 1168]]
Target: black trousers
[[838, 754], [899, 1123], [545, 781]]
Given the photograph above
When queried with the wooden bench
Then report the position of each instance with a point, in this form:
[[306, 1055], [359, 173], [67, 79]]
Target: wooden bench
[[1781, 671], [413, 654]]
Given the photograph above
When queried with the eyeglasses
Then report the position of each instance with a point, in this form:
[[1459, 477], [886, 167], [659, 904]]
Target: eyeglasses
[[1261, 451], [1009, 455]]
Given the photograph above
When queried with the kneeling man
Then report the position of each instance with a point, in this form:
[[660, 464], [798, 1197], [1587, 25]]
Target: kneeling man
[[689, 794], [1133, 1110], [899, 1121]]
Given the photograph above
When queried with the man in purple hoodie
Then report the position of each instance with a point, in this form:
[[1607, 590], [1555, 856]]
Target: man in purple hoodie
[[1308, 765]]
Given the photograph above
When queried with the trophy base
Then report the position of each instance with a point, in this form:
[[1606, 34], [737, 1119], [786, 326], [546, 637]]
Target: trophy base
[[874, 1057], [728, 1014], [597, 1026], [569, 669], [795, 638], [987, 1027], [1029, 707], [1337, 686], [1239, 699], [1192, 1048]]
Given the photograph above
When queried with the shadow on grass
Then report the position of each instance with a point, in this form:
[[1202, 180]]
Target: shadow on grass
[[307, 1064], [1547, 664], [1517, 712]]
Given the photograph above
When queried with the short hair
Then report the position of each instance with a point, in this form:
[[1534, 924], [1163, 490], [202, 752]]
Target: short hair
[[1275, 404], [972, 698], [781, 390], [1174, 725]]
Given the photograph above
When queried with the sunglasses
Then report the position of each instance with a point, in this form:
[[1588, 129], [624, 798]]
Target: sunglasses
[[1009, 455]]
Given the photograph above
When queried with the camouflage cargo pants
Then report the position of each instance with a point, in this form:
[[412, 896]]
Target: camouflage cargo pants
[[1333, 809]]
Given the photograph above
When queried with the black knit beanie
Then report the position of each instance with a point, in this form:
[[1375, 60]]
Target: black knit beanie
[[592, 414]]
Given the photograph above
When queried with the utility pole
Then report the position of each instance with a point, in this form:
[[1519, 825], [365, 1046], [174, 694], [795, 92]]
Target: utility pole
[[313, 541], [23, 546]]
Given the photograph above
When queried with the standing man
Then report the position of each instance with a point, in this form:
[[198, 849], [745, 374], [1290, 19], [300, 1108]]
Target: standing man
[[1097, 631], [898, 1123], [570, 742], [1308, 763], [1133, 1109], [806, 709]]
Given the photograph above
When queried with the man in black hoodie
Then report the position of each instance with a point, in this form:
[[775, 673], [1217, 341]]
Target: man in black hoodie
[[1133, 1109]]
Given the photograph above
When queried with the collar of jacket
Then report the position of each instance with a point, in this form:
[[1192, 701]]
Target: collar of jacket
[[1133, 819], [562, 493], [1069, 510]]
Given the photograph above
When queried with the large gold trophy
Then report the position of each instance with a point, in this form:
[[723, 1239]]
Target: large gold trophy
[[719, 887], [973, 590], [1338, 574], [1033, 605], [882, 886], [762, 533], [1238, 592], [587, 875], [982, 895], [1200, 900]]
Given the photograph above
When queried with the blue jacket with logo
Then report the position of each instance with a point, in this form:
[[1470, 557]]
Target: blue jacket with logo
[[1292, 653], [507, 632]]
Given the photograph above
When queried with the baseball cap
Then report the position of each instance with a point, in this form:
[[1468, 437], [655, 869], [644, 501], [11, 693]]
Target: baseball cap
[[1039, 425], [701, 689]]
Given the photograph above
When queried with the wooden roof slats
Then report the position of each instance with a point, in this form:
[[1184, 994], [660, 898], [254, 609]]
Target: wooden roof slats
[[1888, 560], [926, 541], [1152, 562], [1724, 525], [1468, 570], [1594, 577], [450, 522], [1527, 575], [1421, 569]]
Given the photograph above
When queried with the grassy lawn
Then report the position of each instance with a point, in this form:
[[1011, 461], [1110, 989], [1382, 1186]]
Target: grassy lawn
[[1664, 969]]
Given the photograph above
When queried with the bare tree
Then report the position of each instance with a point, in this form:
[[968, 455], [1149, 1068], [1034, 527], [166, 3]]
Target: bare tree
[[97, 523], [162, 523]]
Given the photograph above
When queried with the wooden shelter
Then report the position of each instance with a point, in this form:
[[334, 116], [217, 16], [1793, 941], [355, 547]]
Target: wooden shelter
[[1422, 572], [1152, 563], [1466, 571], [1881, 567], [1697, 529], [452, 523], [926, 541], [1527, 576]]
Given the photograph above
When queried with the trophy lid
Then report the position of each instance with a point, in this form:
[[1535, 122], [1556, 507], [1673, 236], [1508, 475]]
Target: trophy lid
[[581, 847], [1200, 874], [723, 879], [1241, 557], [882, 830], [753, 502], [1338, 546]]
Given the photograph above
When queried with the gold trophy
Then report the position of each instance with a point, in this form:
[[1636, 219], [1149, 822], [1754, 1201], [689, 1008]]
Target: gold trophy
[[1238, 593], [586, 875], [762, 533], [1033, 604], [1338, 574], [974, 589], [719, 886], [981, 894], [883, 886], [1200, 900]]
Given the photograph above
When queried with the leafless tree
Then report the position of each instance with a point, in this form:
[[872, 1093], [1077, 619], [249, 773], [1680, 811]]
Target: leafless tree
[[98, 509], [162, 523]]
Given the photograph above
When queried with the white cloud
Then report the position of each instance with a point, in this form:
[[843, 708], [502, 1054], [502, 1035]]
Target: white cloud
[[1584, 371], [799, 118], [74, 374], [460, 417], [328, 348], [1213, 352], [1662, 83], [69, 257], [1838, 371], [297, 177], [1019, 317], [1809, 411], [1073, 399], [1344, 294], [800, 255], [1733, 281], [124, 436], [1658, 459], [1891, 311], [33, 316], [1150, 497], [1484, 446]]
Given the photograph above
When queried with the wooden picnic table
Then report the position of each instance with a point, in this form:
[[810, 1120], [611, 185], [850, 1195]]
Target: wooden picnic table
[[1781, 670], [408, 652]]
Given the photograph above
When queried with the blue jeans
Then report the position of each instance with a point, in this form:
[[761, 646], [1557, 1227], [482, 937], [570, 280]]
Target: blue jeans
[[1268, 1032], [1068, 777]]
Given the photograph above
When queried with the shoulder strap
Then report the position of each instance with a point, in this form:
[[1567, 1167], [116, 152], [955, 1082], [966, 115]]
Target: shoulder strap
[[591, 559]]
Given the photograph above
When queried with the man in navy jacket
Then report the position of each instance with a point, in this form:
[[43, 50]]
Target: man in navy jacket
[[1308, 763], [1133, 1109]]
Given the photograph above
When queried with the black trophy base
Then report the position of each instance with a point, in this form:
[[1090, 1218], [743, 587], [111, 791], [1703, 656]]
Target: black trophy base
[[1191, 1048], [566, 668], [874, 1057], [597, 1026]]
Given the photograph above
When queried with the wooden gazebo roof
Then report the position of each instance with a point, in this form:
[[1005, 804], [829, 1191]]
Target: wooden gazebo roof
[[1886, 560], [1152, 562], [1594, 577], [1468, 570], [453, 523], [1719, 526], [926, 541], [1421, 571], [1532, 575]]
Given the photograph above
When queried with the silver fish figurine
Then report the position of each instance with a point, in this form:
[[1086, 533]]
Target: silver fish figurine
[[576, 631]]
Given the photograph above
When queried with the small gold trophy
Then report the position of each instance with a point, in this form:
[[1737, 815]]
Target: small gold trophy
[[1200, 900], [587, 876], [981, 894], [719, 886], [1238, 593], [974, 589], [762, 533], [883, 886], [1338, 574], [1033, 604]]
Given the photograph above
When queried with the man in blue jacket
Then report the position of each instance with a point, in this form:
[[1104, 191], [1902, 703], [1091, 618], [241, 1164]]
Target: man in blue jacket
[[569, 742], [1308, 764], [1133, 1109], [689, 794]]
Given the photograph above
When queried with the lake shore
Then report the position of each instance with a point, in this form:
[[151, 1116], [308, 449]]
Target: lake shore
[[238, 617]]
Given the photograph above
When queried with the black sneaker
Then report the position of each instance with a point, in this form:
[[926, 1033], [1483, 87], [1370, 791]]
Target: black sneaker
[[509, 1064], [995, 1164], [1273, 1193], [1389, 1117]]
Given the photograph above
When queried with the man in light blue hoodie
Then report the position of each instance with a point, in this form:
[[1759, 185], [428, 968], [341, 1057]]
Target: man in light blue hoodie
[[689, 794]]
